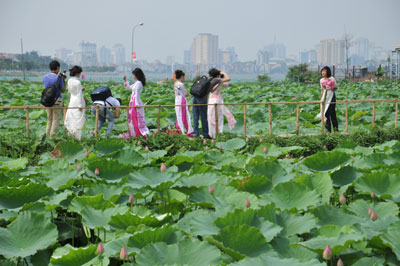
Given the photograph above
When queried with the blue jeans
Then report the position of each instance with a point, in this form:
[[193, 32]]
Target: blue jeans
[[200, 111], [103, 116]]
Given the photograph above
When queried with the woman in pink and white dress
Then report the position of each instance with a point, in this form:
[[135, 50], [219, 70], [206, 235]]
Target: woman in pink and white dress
[[181, 109], [136, 121]]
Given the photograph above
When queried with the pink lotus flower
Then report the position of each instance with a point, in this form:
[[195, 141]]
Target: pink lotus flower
[[87, 154], [211, 190], [83, 76], [139, 143], [131, 198], [342, 199], [213, 141], [204, 141], [163, 168], [123, 254], [206, 148], [96, 171], [247, 203], [340, 262], [373, 216], [146, 148], [247, 139], [100, 249], [79, 167], [265, 149], [327, 254], [372, 194], [220, 146], [261, 140]]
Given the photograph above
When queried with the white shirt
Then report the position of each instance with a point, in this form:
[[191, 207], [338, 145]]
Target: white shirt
[[110, 100]]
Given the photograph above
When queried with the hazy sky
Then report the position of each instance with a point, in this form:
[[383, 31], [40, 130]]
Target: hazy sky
[[170, 25]]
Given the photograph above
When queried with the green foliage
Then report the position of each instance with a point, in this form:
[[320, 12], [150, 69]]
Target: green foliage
[[264, 78], [300, 73]]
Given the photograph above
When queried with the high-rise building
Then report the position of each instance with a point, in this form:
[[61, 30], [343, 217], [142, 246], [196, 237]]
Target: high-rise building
[[262, 57], [187, 57], [363, 48], [88, 54], [205, 50], [118, 53], [276, 50], [65, 55], [227, 56], [105, 56], [332, 52], [308, 57]]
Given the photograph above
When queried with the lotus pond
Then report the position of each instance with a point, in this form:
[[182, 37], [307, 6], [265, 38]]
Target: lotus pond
[[217, 205]]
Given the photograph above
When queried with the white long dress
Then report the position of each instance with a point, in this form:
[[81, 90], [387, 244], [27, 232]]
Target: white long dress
[[75, 118], [182, 112], [329, 95]]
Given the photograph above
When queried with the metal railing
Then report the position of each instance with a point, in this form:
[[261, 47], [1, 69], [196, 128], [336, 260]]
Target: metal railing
[[245, 105]]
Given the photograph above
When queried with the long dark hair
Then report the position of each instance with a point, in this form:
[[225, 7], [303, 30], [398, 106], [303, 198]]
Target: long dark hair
[[328, 71], [139, 75], [75, 70]]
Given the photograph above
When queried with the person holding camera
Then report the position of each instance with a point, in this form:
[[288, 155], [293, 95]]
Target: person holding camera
[[106, 113], [75, 117], [220, 78], [54, 115]]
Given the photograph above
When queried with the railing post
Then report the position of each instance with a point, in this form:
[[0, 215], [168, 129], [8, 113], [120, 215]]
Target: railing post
[[159, 118], [127, 119], [216, 119], [96, 124], [270, 118], [297, 119], [396, 114], [323, 118], [27, 121], [373, 114], [346, 122], [244, 119]]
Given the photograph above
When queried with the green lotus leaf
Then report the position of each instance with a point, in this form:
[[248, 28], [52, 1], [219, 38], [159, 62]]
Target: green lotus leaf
[[186, 252], [269, 260], [196, 181], [275, 151], [112, 192], [291, 195], [165, 234], [188, 156], [68, 256], [109, 146], [272, 170], [319, 182], [382, 209], [232, 144], [295, 224], [325, 161], [29, 233], [285, 248], [110, 170], [391, 238], [199, 222], [344, 176], [152, 178], [123, 221], [129, 157], [370, 161], [327, 214], [256, 184], [381, 183], [16, 197], [370, 261], [71, 150], [63, 179], [14, 165]]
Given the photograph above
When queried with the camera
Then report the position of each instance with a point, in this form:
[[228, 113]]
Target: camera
[[63, 74], [222, 76]]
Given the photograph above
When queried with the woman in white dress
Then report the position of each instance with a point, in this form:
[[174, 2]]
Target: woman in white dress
[[136, 121], [220, 78], [181, 109], [75, 118]]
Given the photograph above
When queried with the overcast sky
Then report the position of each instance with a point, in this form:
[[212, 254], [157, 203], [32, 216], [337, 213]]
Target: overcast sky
[[170, 25]]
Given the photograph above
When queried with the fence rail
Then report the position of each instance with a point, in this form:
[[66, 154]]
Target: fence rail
[[245, 105]]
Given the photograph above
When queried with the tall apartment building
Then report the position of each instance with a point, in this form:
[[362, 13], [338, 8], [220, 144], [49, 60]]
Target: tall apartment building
[[332, 52], [205, 50], [88, 53]]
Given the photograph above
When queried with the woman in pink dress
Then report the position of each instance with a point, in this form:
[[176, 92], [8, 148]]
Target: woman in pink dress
[[181, 109], [136, 121]]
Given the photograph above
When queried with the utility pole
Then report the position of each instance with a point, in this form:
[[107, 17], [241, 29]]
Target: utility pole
[[347, 42], [22, 58]]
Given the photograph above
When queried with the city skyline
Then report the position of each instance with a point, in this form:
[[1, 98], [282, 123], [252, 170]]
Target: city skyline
[[246, 26]]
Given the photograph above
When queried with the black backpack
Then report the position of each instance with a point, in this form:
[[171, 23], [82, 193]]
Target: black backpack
[[49, 94], [101, 94], [201, 87]]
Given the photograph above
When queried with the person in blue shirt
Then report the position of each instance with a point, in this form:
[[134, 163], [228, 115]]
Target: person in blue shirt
[[54, 115]]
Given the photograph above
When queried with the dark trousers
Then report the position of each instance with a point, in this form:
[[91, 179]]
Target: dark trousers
[[330, 115], [200, 111]]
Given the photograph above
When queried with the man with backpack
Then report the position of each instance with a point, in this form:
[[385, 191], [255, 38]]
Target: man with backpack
[[56, 83], [102, 97]]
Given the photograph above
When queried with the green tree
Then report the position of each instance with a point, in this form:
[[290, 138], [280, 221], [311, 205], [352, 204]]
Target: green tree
[[264, 78], [380, 71], [300, 73]]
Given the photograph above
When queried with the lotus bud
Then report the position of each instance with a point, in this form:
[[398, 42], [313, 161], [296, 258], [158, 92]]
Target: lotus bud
[[369, 211], [213, 141], [146, 149], [220, 146], [342, 199], [131, 198], [86, 154], [261, 140], [211, 190], [372, 194], [340, 262], [163, 168], [373, 216], [265, 149], [247, 203], [206, 148], [123, 254], [139, 143], [327, 254], [248, 178], [204, 141], [247, 139], [79, 167], [96, 171], [100, 249]]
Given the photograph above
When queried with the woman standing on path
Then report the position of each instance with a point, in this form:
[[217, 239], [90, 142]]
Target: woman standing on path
[[181, 109], [75, 118], [328, 95], [219, 78], [136, 120]]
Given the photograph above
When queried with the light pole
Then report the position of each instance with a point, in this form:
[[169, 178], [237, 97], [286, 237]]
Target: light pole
[[133, 35]]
